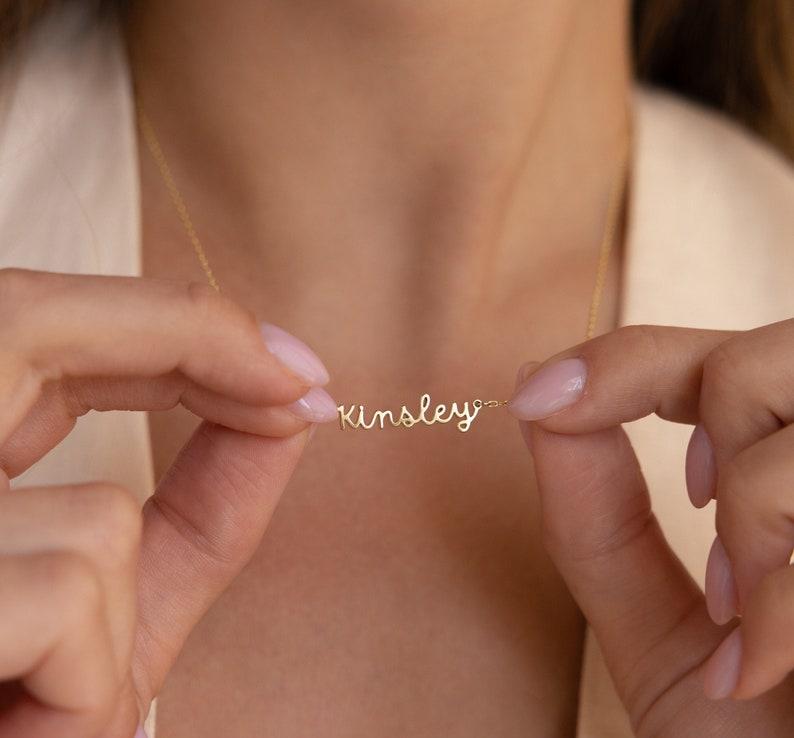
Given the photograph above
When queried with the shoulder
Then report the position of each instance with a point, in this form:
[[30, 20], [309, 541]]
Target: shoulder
[[711, 220], [68, 188], [707, 159]]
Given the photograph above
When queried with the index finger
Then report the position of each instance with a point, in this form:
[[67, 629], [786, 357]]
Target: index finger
[[59, 325], [618, 377]]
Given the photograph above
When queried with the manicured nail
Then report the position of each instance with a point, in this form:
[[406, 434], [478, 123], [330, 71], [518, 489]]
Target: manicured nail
[[721, 598], [721, 673], [523, 372], [316, 405], [295, 355], [140, 733], [549, 390], [700, 467]]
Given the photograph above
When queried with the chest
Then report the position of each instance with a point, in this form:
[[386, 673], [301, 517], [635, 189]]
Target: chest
[[399, 362], [400, 559]]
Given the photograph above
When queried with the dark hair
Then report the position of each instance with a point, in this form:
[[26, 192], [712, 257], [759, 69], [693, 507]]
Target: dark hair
[[734, 55]]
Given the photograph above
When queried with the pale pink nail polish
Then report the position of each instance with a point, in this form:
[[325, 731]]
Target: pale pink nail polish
[[721, 673], [700, 467], [523, 372], [295, 355], [721, 597], [140, 733], [549, 390], [316, 405]]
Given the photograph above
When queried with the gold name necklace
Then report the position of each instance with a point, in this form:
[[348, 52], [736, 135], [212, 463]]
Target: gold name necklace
[[354, 416]]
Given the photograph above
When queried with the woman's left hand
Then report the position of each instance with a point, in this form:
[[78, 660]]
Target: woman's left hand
[[672, 652]]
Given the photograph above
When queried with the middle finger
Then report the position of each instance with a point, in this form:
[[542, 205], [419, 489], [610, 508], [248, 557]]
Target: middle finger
[[55, 412], [755, 521]]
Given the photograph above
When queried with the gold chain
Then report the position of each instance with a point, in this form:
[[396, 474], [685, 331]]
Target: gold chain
[[156, 151], [616, 198], [607, 239]]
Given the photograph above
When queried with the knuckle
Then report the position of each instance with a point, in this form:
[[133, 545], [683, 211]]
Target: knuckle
[[202, 298], [559, 541], [734, 483], [112, 519], [234, 534], [17, 375], [642, 334], [607, 535], [642, 337], [73, 585], [209, 307], [774, 596], [16, 288], [604, 543], [723, 368], [749, 497]]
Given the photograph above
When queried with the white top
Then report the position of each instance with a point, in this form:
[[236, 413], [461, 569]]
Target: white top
[[710, 244]]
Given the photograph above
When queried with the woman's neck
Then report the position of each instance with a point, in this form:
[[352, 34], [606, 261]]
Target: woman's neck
[[345, 133]]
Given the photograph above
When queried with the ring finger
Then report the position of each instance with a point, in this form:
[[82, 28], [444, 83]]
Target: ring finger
[[755, 521], [55, 413], [99, 522], [54, 643]]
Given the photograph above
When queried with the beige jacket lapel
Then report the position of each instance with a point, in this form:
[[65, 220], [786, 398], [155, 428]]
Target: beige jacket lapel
[[710, 244], [68, 202]]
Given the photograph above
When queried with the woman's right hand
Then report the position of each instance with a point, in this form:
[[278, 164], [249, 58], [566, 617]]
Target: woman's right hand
[[97, 596]]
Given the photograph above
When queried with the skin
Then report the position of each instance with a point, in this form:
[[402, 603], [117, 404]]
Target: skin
[[394, 250], [404, 586]]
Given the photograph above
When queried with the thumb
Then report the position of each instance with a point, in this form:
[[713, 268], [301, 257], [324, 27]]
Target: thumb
[[645, 610], [201, 527]]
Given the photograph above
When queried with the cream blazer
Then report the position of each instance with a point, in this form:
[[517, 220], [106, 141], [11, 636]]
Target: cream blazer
[[710, 244]]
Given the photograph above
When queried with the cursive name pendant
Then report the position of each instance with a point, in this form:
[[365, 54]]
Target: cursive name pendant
[[354, 416]]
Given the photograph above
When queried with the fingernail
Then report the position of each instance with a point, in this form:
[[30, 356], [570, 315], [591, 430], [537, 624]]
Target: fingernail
[[523, 372], [549, 390], [140, 733], [294, 354], [700, 468], [312, 429], [316, 405], [721, 673], [721, 598]]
